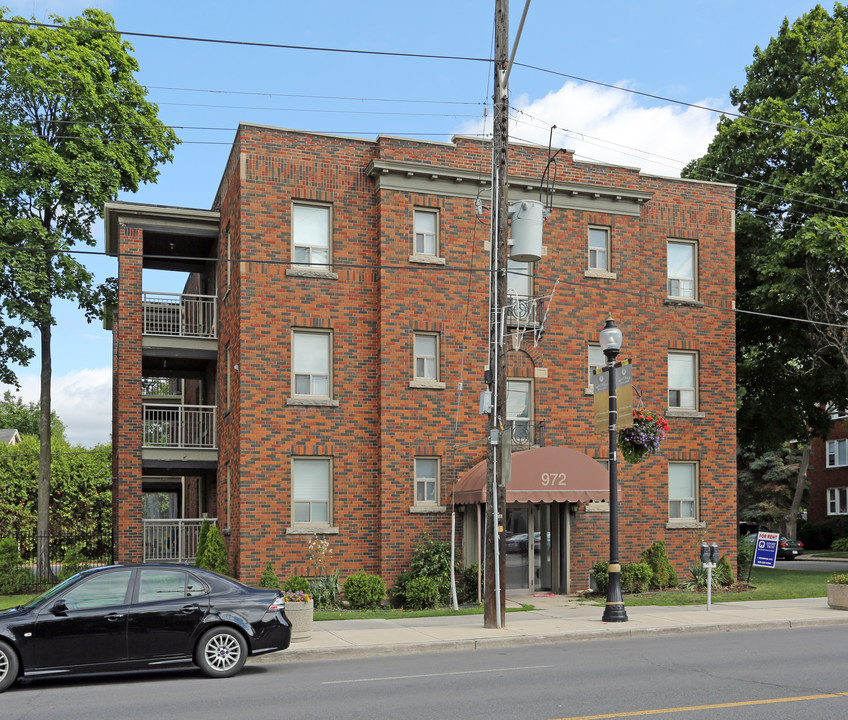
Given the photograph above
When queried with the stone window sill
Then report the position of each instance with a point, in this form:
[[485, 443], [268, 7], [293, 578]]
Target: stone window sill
[[427, 509], [598, 273], [683, 301], [312, 401], [678, 413], [312, 530], [427, 384], [309, 273], [426, 259], [685, 525]]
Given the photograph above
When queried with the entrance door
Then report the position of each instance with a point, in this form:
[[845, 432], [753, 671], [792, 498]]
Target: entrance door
[[531, 537]]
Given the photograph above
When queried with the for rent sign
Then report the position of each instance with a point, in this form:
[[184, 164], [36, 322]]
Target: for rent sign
[[765, 552]]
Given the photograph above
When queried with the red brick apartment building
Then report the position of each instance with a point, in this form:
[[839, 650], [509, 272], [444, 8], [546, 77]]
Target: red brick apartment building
[[320, 372], [828, 473]]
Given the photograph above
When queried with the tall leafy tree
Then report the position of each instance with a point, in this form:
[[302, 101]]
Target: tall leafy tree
[[75, 129], [15, 414], [788, 154]]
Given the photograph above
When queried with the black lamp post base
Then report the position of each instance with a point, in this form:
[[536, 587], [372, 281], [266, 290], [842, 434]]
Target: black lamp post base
[[614, 612]]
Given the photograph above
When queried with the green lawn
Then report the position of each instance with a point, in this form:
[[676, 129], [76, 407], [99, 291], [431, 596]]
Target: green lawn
[[766, 584]]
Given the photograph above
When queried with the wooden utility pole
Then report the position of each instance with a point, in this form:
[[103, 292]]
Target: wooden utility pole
[[495, 591]]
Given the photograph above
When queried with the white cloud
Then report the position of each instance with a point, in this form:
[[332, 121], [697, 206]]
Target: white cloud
[[82, 399], [610, 126]]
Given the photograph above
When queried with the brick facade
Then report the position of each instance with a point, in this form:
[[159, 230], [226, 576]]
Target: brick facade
[[377, 294], [822, 478]]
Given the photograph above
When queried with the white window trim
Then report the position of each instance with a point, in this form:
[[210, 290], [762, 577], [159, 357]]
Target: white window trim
[[685, 410], [531, 426], [427, 383], [607, 266], [310, 399], [834, 452], [305, 269], [684, 298], [589, 389], [689, 522], [833, 495], [309, 528], [420, 255]]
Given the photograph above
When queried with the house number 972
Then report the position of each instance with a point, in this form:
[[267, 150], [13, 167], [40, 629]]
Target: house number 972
[[549, 479]]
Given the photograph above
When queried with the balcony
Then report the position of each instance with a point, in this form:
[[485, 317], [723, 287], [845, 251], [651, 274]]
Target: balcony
[[524, 311], [172, 541], [190, 427], [526, 434], [180, 315]]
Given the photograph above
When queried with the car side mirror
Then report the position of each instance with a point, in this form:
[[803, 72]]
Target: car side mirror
[[60, 607]]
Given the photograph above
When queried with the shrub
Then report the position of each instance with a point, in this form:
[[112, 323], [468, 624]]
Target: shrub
[[636, 577], [268, 579], [600, 573], [698, 579], [201, 538], [363, 591], [820, 535], [838, 579], [723, 571], [297, 583], [13, 577], [397, 595], [432, 559], [72, 563], [214, 556], [422, 593], [467, 586], [664, 575], [840, 545], [744, 556]]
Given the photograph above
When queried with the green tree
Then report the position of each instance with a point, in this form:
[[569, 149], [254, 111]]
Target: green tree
[[25, 417], [75, 129], [214, 553], [788, 155], [766, 483]]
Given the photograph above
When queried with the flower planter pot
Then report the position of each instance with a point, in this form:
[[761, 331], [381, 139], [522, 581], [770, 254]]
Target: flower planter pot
[[837, 596], [300, 615]]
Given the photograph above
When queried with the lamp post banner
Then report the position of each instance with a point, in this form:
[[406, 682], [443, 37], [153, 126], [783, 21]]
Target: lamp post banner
[[623, 393]]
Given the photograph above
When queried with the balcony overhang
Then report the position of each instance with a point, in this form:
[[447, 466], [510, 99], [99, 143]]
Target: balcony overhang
[[178, 461]]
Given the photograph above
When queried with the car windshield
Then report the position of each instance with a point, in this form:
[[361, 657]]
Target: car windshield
[[51, 593]]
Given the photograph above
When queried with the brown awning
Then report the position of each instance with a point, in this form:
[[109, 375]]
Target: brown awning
[[547, 474]]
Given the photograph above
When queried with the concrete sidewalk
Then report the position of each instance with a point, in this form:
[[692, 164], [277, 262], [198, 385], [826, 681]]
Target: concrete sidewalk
[[555, 619]]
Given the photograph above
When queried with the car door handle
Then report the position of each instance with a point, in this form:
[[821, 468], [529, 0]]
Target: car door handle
[[112, 617], [191, 608]]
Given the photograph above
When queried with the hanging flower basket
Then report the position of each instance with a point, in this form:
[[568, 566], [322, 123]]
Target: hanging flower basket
[[643, 438]]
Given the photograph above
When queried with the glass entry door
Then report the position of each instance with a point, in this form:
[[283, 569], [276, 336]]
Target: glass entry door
[[530, 539]]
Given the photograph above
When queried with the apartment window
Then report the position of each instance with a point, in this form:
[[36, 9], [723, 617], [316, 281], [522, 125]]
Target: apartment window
[[426, 230], [519, 410], [837, 453], [519, 280], [599, 248], [311, 235], [311, 486], [229, 260], [229, 385], [682, 491], [597, 359], [682, 266], [311, 363], [426, 351], [837, 501], [426, 481], [682, 380]]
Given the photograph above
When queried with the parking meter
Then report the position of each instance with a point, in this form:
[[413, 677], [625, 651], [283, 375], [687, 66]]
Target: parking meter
[[714, 558], [705, 552]]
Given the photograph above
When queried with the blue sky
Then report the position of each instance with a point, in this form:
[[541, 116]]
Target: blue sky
[[693, 52]]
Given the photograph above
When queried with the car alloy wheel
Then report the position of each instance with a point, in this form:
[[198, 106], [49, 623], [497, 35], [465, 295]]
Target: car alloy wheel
[[222, 652], [8, 666]]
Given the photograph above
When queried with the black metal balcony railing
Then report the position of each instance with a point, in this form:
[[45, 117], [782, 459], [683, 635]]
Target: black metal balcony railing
[[526, 434]]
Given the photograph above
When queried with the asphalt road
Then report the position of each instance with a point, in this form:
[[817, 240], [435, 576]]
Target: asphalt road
[[788, 674], [821, 565]]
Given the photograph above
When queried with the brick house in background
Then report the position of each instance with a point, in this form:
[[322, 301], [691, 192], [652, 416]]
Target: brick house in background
[[828, 473], [319, 373]]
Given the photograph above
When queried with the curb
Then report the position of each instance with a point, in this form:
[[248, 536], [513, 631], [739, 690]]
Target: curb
[[305, 654]]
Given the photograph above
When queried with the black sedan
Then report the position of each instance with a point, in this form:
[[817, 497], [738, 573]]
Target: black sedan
[[130, 617]]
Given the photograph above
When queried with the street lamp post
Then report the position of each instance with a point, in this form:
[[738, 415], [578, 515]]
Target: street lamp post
[[610, 340]]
